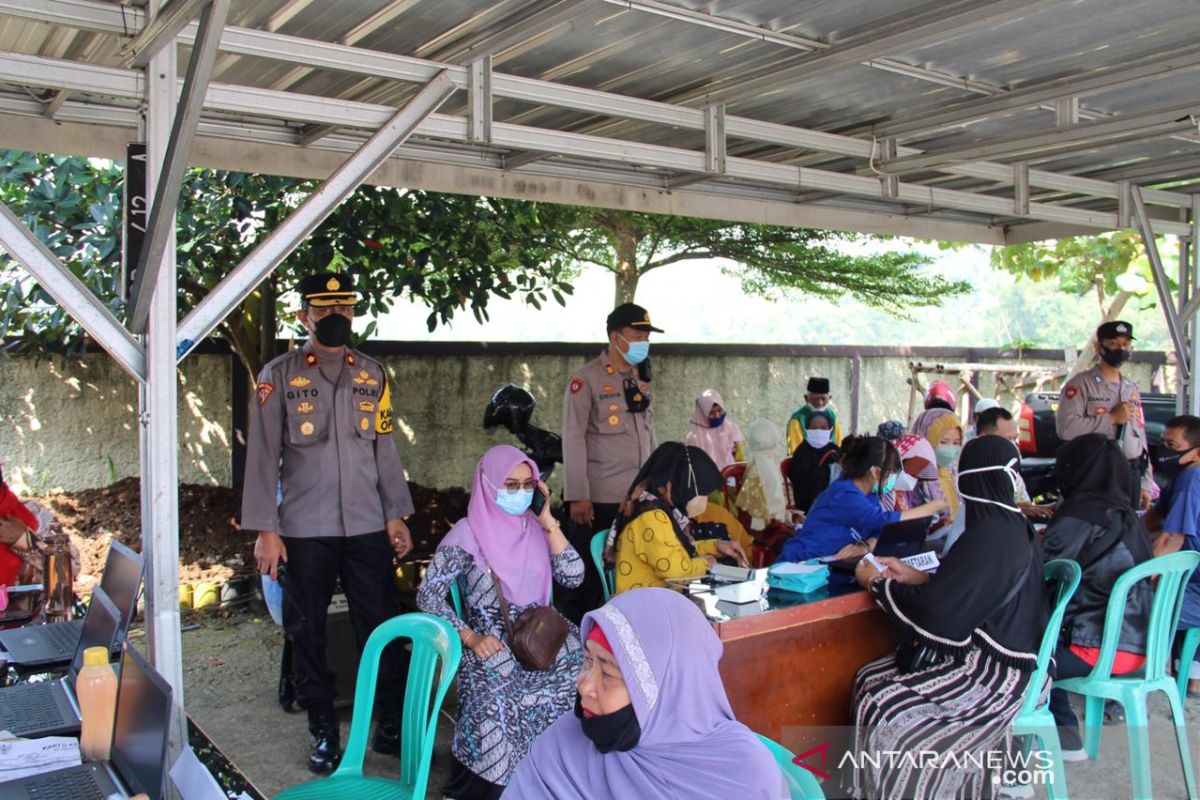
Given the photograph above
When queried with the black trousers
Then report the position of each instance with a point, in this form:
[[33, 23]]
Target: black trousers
[[364, 564], [574, 603], [1135, 483], [1067, 665]]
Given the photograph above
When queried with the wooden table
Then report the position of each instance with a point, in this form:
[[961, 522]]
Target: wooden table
[[792, 668]]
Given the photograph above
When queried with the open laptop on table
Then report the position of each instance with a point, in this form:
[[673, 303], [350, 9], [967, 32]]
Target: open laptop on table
[[50, 708], [47, 645], [139, 746], [897, 539]]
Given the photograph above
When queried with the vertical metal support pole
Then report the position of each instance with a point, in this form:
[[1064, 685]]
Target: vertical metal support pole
[[714, 139], [160, 476], [1182, 355], [887, 153], [479, 95], [1125, 205], [1183, 392], [855, 390], [1194, 323], [1021, 189], [1066, 111]]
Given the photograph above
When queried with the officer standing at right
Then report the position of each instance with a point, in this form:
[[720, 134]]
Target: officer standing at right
[[1101, 400], [608, 433]]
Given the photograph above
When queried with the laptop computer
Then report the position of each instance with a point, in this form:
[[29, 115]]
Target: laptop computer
[[50, 708], [897, 539], [139, 746], [48, 645]]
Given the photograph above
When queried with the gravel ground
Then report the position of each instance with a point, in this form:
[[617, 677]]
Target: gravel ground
[[231, 666]]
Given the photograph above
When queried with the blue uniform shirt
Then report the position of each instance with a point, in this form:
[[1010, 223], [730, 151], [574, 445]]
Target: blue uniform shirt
[[838, 514], [1180, 508]]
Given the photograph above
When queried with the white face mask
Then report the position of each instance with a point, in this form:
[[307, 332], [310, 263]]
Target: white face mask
[[1013, 476], [818, 438], [905, 482]]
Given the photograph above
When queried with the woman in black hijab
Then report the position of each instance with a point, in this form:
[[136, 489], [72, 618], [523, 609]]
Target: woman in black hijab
[[654, 540], [970, 636], [1095, 527]]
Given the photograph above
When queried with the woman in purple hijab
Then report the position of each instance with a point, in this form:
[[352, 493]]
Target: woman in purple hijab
[[502, 706], [651, 717]]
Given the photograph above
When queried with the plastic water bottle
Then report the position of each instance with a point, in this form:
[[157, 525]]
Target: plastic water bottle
[[96, 689]]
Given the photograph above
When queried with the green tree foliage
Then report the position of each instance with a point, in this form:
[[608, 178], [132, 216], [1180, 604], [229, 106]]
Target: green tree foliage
[[452, 252], [768, 259]]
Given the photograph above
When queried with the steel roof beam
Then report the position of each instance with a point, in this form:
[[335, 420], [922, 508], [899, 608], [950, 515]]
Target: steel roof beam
[[1151, 66], [240, 282], [162, 30], [161, 223], [1143, 124], [69, 292]]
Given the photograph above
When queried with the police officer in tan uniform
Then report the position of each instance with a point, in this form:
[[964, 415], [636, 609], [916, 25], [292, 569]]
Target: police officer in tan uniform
[[1101, 400], [608, 433], [320, 442]]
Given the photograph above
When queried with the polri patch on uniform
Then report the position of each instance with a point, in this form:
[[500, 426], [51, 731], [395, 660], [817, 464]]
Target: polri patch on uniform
[[576, 385], [299, 382], [310, 360], [614, 420], [366, 406], [304, 408], [265, 390], [1070, 392], [307, 428]]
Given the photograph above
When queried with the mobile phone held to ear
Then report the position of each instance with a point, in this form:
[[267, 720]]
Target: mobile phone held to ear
[[539, 501]]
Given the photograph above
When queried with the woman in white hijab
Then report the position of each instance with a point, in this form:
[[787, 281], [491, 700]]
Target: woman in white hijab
[[711, 429], [763, 495]]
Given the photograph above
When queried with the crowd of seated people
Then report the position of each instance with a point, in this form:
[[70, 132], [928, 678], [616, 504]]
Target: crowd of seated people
[[650, 717]]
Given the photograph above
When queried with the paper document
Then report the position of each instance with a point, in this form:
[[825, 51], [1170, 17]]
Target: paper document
[[193, 780], [21, 757], [925, 562]]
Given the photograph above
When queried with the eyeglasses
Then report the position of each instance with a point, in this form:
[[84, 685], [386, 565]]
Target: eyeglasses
[[516, 486]]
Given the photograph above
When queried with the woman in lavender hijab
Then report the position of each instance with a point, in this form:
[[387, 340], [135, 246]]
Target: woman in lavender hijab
[[651, 717], [502, 706]]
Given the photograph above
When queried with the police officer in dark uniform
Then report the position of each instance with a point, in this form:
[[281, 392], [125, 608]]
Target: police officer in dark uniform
[[325, 490]]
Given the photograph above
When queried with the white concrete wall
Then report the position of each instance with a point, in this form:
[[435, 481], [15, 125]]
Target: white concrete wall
[[68, 423]]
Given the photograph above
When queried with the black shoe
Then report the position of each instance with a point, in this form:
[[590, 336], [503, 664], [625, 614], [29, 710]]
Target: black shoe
[[387, 738], [324, 740]]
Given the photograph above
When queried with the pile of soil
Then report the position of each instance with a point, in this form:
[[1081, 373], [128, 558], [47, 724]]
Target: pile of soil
[[212, 548]]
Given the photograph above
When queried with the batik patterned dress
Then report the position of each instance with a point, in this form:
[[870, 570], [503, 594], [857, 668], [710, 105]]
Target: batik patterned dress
[[502, 707]]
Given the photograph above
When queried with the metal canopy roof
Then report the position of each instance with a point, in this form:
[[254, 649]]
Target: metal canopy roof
[[982, 120]]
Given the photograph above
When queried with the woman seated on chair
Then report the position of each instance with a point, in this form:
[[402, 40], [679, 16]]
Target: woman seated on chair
[[655, 540], [970, 635], [1096, 527], [846, 517], [814, 462], [713, 431], [501, 544], [651, 718]]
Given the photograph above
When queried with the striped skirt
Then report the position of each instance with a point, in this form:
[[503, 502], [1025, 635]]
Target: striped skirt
[[942, 732]]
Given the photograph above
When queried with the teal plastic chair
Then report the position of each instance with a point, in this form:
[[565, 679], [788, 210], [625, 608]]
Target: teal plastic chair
[[1034, 720], [1132, 692], [802, 784], [436, 651], [1191, 642], [456, 600], [606, 576]]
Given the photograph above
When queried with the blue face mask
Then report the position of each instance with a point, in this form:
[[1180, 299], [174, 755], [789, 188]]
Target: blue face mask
[[889, 484], [716, 422], [514, 503], [637, 351]]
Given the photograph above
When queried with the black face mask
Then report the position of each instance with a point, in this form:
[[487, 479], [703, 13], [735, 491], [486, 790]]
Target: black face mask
[[333, 331], [1115, 356], [618, 731], [1169, 464]]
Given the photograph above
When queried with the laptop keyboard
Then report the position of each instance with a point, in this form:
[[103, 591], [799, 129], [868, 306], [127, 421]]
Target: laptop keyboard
[[76, 785], [30, 707], [63, 637]]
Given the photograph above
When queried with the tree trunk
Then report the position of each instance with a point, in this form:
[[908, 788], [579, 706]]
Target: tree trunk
[[627, 267]]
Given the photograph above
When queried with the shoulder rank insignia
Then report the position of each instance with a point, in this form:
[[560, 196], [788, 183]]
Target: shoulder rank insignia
[[304, 408], [310, 360], [349, 359], [264, 392], [366, 406], [307, 428], [299, 382]]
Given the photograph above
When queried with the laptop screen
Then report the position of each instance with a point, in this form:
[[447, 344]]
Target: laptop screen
[[139, 747], [121, 581], [99, 629]]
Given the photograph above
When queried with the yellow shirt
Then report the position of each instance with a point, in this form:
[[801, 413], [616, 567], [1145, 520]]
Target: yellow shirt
[[649, 552]]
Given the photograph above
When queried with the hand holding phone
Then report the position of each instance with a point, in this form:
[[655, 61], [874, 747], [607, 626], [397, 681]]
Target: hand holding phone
[[539, 501]]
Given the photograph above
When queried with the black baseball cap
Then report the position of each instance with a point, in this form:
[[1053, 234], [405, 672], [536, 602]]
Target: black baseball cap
[[632, 316], [818, 385], [328, 289], [1113, 329]]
